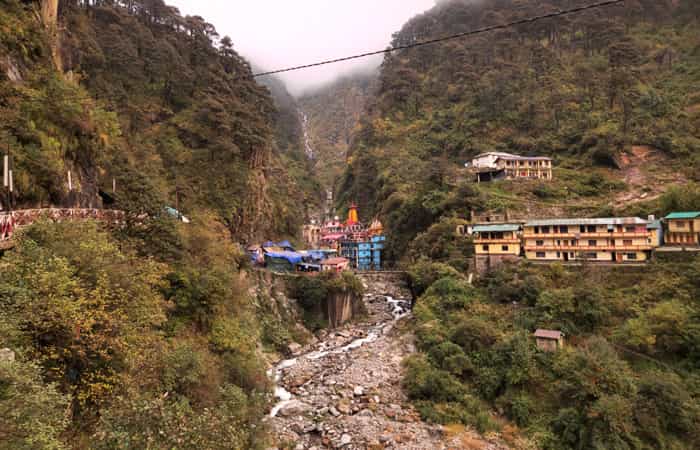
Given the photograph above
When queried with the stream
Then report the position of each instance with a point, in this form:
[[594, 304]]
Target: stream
[[399, 308], [345, 392]]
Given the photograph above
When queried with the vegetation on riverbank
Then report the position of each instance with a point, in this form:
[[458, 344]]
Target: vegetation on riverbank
[[626, 379]]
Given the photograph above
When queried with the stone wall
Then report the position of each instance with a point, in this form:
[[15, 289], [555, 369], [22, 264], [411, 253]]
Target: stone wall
[[485, 263]]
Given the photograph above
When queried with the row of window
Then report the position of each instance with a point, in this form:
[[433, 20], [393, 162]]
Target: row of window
[[587, 255], [505, 248], [528, 164], [563, 229], [591, 243], [680, 239]]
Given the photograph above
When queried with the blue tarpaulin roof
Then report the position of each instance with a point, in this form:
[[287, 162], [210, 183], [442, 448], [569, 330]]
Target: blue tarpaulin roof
[[292, 257], [283, 244], [317, 254]]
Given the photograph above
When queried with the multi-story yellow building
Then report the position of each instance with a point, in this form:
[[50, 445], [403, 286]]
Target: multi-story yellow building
[[683, 229], [629, 239], [497, 165], [496, 243]]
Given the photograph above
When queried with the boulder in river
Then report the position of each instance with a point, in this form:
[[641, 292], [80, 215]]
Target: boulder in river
[[294, 408]]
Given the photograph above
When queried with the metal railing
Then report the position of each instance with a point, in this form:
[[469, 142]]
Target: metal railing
[[11, 221]]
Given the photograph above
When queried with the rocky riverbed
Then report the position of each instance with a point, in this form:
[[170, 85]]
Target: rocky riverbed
[[345, 390]]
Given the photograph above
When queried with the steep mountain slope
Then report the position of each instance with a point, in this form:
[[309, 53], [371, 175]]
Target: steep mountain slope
[[290, 140], [152, 334], [583, 89], [332, 114], [138, 92]]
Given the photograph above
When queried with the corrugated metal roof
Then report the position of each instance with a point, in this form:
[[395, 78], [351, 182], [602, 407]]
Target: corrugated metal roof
[[512, 156], [684, 215], [549, 334], [584, 221], [654, 225], [496, 228]]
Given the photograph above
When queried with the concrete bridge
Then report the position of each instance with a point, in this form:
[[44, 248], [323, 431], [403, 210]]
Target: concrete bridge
[[10, 222]]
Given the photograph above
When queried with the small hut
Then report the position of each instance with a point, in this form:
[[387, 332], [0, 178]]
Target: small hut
[[549, 340]]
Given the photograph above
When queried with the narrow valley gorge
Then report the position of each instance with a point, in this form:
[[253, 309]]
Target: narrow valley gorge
[[344, 389], [479, 240]]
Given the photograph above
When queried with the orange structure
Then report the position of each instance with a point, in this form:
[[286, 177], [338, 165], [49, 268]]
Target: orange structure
[[353, 217]]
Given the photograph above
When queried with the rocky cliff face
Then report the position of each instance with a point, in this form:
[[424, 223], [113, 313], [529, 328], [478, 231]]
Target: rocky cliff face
[[332, 114], [340, 308]]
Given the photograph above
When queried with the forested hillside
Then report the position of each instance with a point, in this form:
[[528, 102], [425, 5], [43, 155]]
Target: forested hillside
[[333, 113], [612, 96], [139, 93], [151, 334], [586, 89]]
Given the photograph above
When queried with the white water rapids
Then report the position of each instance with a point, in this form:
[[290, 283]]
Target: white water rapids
[[399, 309]]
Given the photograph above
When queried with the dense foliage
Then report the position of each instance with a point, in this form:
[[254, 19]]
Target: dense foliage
[[138, 93], [626, 378], [313, 293], [144, 353], [148, 334], [589, 90]]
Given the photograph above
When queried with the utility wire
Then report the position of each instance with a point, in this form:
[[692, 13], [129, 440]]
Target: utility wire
[[450, 37]]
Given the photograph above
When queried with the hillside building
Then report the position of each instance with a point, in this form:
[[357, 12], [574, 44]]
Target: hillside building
[[497, 166], [549, 340], [683, 229], [495, 244], [617, 240], [335, 265], [312, 234]]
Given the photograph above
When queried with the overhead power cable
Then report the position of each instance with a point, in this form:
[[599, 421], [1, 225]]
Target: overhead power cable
[[528, 20]]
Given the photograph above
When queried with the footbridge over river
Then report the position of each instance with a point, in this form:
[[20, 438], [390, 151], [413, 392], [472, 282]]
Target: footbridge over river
[[11, 221]]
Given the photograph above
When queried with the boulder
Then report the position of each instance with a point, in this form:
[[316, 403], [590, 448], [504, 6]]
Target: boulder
[[7, 355], [294, 348], [294, 408]]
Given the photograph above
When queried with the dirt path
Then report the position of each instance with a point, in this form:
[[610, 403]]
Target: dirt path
[[345, 392]]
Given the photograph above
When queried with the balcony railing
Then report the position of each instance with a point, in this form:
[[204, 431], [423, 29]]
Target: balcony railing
[[587, 248], [579, 235], [496, 241]]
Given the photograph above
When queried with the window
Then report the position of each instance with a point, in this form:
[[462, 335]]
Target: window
[[629, 229], [545, 230], [680, 224], [632, 256], [590, 228], [485, 248], [504, 248], [582, 228], [558, 255], [537, 230], [539, 243], [627, 242], [590, 255], [592, 243], [564, 229], [541, 255]]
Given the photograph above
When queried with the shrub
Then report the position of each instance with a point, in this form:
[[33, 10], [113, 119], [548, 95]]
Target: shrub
[[425, 273], [449, 294]]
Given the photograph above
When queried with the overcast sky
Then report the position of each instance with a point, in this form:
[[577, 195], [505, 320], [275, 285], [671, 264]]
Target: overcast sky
[[281, 33]]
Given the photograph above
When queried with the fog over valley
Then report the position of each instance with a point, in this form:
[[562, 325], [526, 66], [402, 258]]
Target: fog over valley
[[279, 34]]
